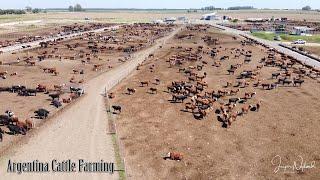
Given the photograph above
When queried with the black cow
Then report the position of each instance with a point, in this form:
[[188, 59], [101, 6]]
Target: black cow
[[116, 108], [234, 100], [4, 120], [275, 75], [42, 113], [14, 129], [27, 92], [177, 98], [73, 89], [298, 82], [17, 88], [231, 71], [32, 92], [287, 81], [54, 96], [56, 103], [1, 132]]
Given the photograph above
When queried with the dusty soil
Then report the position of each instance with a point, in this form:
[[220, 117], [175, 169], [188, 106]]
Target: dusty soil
[[149, 126], [12, 37], [313, 49], [20, 73]]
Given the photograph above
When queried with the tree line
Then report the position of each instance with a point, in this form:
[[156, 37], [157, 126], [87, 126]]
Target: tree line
[[12, 11], [28, 9], [76, 8], [211, 8]]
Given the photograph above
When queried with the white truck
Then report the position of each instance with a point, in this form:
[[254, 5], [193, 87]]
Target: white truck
[[299, 41]]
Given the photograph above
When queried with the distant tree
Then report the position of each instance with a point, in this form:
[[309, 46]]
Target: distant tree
[[210, 8], [28, 9], [71, 8], [240, 8], [36, 10], [78, 8], [306, 8], [11, 11]]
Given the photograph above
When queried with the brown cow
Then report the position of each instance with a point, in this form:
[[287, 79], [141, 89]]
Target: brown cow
[[154, 90], [111, 95], [174, 156], [245, 109], [144, 83], [29, 123]]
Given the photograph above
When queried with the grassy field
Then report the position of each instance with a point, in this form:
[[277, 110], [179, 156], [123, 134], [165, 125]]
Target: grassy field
[[286, 37]]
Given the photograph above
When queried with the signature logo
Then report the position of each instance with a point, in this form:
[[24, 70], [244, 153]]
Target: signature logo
[[297, 166]]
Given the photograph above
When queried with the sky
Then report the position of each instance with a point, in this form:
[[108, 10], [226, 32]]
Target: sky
[[145, 4]]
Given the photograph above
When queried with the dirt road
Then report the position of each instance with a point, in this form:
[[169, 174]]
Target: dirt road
[[80, 132]]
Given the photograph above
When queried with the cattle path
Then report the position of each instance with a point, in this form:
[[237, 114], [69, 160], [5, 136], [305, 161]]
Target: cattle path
[[78, 132]]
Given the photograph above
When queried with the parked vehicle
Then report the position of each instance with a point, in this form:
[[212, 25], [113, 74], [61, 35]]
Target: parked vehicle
[[277, 38], [299, 41]]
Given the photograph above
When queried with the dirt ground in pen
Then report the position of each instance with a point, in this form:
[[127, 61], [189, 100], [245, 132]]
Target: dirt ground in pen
[[149, 126], [19, 72], [313, 49]]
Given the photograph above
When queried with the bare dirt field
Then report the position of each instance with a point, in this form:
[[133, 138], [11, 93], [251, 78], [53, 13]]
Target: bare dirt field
[[313, 49], [214, 143], [18, 37], [57, 66]]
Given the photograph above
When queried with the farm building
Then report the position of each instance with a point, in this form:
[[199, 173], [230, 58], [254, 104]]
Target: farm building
[[302, 30], [211, 16], [256, 20], [170, 20], [158, 21]]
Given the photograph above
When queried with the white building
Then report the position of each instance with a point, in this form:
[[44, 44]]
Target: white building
[[302, 30], [211, 16], [170, 20]]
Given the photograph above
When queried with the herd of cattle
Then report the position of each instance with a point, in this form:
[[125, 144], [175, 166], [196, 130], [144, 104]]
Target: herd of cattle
[[17, 126], [228, 103], [92, 48], [284, 25], [236, 97], [89, 49], [53, 32]]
